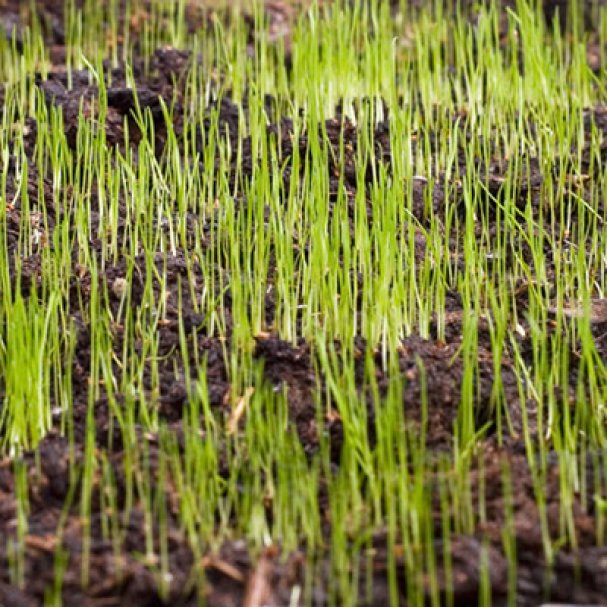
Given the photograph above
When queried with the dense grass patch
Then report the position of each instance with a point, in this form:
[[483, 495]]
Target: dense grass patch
[[303, 304]]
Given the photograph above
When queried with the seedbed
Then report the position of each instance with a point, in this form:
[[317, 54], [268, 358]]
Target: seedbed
[[303, 303]]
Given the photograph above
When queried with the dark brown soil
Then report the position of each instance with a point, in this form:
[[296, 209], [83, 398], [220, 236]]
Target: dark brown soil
[[232, 575]]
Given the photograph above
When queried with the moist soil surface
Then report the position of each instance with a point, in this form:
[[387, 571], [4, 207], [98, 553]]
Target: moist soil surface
[[233, 576]]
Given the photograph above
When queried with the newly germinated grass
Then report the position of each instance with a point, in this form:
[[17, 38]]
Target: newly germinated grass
[[307, 317]]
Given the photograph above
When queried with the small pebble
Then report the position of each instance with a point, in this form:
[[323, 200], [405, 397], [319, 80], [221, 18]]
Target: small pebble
[[119, 287]]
